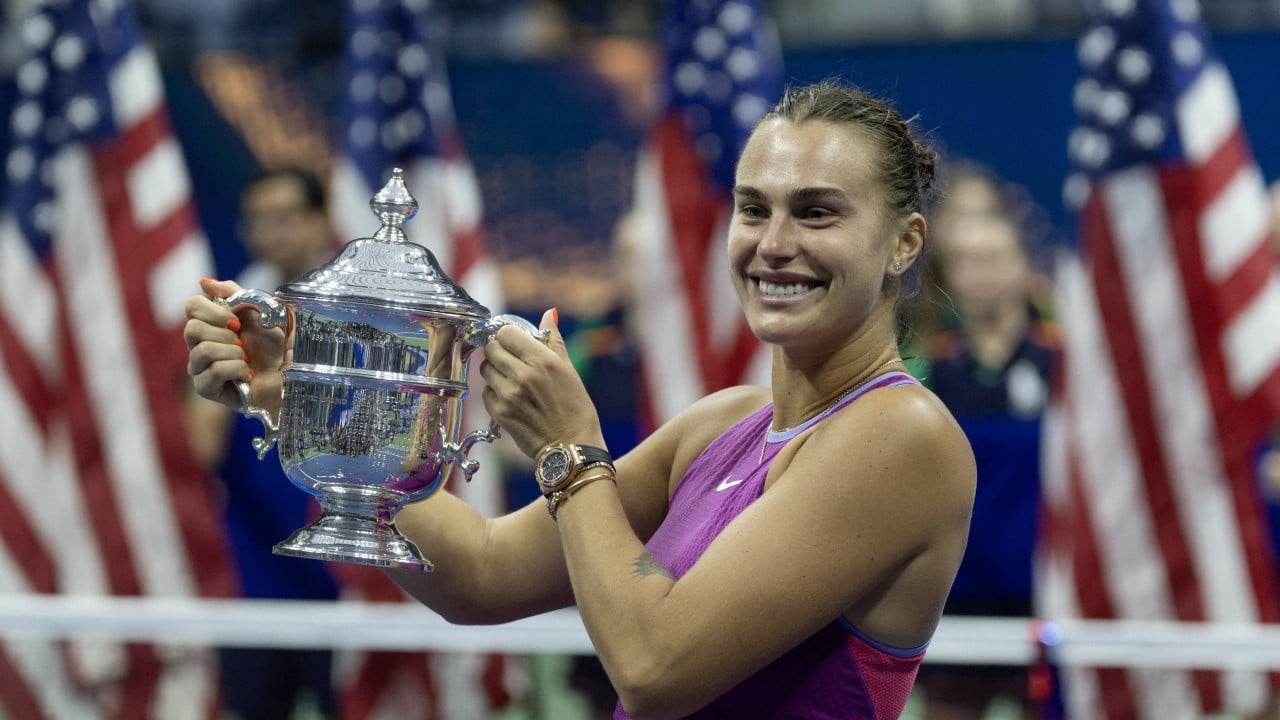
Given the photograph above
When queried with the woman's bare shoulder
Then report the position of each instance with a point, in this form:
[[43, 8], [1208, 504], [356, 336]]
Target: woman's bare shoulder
[[744, 399], [690, 432], [907, 429]]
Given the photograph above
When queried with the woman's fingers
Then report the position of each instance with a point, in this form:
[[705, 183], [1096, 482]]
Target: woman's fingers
[[204, 315], [533, 391], [216, 355], [218, 288], [212, 367], [551, 325], [503, 385], [210, 344], [215, 382]]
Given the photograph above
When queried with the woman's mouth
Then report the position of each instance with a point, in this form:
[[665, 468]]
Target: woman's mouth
[[783, 289]]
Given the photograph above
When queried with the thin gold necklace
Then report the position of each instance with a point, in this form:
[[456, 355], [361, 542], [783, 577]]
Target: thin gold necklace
[[875, 372]]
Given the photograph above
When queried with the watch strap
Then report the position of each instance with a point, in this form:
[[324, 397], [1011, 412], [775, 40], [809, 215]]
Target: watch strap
[[593, 456]]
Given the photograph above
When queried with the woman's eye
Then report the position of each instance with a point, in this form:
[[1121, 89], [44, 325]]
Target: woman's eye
[[751, 211], [815, 213]]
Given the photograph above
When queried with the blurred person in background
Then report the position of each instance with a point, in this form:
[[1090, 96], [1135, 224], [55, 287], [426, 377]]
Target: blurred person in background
[[801, 538], [968, 188], [285, 228], [992, 370]]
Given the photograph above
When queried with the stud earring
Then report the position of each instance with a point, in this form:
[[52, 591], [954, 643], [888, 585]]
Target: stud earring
[[897, 267]]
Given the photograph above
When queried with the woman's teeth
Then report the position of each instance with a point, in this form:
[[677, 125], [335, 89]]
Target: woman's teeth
[[769, 288]]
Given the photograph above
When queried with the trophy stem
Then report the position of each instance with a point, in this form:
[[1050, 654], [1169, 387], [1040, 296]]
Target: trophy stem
[[355, 526]]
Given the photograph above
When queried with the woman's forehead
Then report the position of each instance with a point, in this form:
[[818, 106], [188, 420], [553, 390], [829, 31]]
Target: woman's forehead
[[814, 152]]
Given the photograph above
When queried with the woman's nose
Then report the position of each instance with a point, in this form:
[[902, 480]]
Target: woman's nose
[[778, 239]]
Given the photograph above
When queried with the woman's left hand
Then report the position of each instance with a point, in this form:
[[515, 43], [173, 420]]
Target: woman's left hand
[[534, 393]]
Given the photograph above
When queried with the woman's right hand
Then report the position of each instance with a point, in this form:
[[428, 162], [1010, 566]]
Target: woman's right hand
[[225, 346]]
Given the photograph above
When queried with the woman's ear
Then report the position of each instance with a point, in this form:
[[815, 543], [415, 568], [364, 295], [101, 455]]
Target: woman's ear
[[910, 244]]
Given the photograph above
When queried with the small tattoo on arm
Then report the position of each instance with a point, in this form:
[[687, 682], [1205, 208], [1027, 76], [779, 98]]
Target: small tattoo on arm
[[644, 565]]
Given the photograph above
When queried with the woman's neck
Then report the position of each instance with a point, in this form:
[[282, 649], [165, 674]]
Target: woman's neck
[[805, 384]]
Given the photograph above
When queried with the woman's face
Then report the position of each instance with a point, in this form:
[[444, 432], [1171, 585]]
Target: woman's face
[[812, 242]]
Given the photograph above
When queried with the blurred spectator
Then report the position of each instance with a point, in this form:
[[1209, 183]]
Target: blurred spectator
[[967, 188], [997, 360], [992, 370], [285, 229]]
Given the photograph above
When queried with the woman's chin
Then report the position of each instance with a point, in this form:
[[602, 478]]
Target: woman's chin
[[775, 331]]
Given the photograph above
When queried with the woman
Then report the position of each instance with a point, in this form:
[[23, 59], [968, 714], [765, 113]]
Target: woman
[[801, 539]]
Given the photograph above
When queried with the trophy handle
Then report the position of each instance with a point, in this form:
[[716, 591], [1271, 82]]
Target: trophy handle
[[270, 314], [458, 452], [270, 431], [478, 336]]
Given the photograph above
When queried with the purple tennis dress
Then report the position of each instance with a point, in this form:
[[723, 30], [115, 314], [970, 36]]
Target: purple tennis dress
[[838, 672]]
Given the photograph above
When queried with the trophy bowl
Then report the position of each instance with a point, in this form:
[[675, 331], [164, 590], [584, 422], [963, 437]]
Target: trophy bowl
[[378, 344]]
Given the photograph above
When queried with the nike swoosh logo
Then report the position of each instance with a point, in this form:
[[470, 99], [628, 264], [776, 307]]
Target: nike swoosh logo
[[727, 483]]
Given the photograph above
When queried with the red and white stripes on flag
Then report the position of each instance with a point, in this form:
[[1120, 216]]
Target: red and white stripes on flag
[[1171, 370], [690, 331], [99, 248], [722, 72]]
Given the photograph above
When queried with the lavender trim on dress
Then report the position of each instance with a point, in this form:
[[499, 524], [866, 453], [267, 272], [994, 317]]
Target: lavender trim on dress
[[892, 378]]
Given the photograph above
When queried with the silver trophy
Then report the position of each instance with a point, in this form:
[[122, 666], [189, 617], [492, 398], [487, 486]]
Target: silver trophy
[[377, 351]]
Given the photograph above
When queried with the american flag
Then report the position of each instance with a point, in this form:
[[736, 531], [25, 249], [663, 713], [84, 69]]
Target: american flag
[[99, 247], [722, 72], [1171, 317], [398, 112]]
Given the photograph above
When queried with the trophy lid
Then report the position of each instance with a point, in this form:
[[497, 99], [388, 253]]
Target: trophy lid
[[386, 269]]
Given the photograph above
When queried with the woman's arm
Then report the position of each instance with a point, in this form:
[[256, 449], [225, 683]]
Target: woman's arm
[[496, 570], [492, 570], [869, 510]]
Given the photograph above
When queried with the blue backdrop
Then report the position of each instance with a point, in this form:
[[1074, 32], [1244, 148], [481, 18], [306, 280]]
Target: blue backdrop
[[1007, 104]]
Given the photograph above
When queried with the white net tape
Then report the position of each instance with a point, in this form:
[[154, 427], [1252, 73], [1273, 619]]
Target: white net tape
[[407, 626]]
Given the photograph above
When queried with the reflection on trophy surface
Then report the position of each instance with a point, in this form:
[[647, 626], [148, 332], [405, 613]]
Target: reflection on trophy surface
[[378, 349]]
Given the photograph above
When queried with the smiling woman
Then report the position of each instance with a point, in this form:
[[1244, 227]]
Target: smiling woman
[[770, 552], [887, 172]]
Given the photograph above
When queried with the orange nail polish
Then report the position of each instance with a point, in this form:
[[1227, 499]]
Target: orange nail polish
[[204, 280], [239, 342], [246, 358], [234, 325], [555, 317], [251, 373]]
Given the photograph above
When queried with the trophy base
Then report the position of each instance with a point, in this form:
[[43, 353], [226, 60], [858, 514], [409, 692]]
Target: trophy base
[[353, 538]]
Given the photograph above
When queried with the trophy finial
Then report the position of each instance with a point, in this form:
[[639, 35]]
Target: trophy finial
[[394, 206]]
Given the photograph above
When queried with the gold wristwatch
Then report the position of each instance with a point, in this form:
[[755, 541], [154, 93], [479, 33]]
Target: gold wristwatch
[[558, 465]]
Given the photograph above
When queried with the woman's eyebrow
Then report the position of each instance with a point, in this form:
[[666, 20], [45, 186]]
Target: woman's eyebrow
[[812, 194], [809, 194]]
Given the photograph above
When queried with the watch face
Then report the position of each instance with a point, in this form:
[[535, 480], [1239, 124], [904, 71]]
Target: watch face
[[553, 468]]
